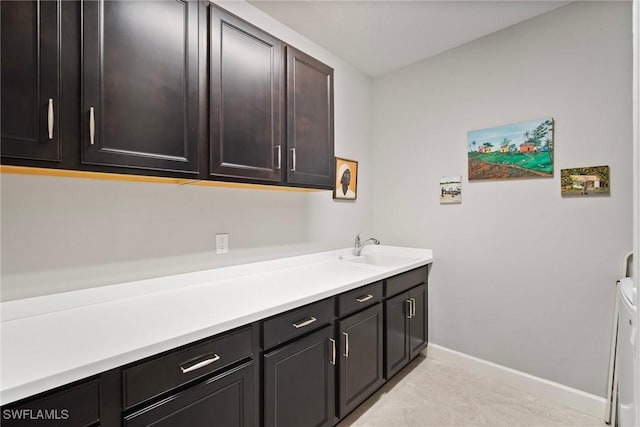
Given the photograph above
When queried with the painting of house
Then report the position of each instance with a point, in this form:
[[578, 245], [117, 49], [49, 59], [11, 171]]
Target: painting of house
[[587, 181], [527, 148], [520, 150]]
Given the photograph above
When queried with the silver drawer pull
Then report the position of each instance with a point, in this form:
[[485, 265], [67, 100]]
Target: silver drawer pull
[[304, 323], [279, 156], [364, 298], [50, 118], [208, 361], [92, 126], [413, 307], [293, 159], [409, 310], [333, 351], [346, 344]]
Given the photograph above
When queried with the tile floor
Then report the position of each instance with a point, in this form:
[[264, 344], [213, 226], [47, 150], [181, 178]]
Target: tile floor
[[434, 393]]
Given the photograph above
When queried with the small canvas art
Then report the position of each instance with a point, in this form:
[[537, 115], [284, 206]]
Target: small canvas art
[[450, 190], [346, 182], [587, 181], [521, 150]]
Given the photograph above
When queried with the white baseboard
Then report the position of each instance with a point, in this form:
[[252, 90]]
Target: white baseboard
[[586, 403]]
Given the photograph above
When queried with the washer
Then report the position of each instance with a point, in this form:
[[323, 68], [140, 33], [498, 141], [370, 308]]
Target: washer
[[626, 348]]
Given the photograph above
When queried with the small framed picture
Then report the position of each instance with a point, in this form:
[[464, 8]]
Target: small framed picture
[[346, 183], [450, 190], [587, 181]]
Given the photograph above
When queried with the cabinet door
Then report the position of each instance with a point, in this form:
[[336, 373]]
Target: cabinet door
[[30, 79], [418, 330], [396, 333], [360, 367], [299, 382], [73, 406], [245, 100], [140, 84], [225, 400], [309, 121]]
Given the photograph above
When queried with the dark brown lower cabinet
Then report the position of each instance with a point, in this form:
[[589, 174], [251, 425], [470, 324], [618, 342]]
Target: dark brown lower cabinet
[[418, 331], [406, 328], [74, 406], [360, 367], [299, 381], [224, 400], [320, 362]]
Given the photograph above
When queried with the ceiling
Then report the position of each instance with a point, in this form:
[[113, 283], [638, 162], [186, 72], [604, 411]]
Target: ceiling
[[380, 36]]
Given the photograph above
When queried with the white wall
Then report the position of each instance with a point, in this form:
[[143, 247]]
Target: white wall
[[61, 234], [523, 277]]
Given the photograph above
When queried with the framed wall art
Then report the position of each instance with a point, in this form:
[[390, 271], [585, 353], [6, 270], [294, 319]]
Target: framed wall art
[[521, 150], [587, 181], [450, 190], [346, 182]]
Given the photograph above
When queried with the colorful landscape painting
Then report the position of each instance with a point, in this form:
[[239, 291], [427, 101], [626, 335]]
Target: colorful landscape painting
[[450, 190], [588, 181], [521, 150]]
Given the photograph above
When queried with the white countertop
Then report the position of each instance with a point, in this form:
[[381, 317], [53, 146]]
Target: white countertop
[[53, 340]]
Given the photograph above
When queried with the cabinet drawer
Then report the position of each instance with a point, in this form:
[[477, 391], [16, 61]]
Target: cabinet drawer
[[225, 400], [400, 283], [75, 406], [359, 298], [171, 370], [297, 322]]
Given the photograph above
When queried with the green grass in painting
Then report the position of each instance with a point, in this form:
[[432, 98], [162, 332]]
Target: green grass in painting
[[533, 161]]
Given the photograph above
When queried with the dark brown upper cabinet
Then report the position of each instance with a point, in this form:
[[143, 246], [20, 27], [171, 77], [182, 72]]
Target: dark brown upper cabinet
[[140, 84], [248, 140], [246, 82], [309, 121], [30, 79]]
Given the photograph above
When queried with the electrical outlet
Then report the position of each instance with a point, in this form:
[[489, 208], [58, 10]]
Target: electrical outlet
[[222, 243]]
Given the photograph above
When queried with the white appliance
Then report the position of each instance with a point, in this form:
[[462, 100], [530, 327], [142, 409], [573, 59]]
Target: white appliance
[[624, 354]]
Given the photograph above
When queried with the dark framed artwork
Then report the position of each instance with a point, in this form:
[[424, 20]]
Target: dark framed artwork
[[346, 182]]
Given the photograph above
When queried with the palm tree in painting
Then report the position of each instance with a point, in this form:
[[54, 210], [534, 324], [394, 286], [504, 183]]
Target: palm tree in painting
[[549, 144], [474, 145]]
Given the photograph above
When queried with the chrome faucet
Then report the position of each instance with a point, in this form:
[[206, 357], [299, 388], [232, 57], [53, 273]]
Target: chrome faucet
[[357, 245]]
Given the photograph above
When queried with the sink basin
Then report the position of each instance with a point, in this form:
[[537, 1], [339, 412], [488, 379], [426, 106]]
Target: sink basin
[[382, 260]]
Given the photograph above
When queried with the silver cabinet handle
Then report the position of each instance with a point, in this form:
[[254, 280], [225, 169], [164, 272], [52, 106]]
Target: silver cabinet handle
[[293, 160], [92, 125], [190, 368], [346, 344], [364, 298], [304, 323], [279, 156], [333, 351], [408, 309], [50, 118], [413, 306]]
